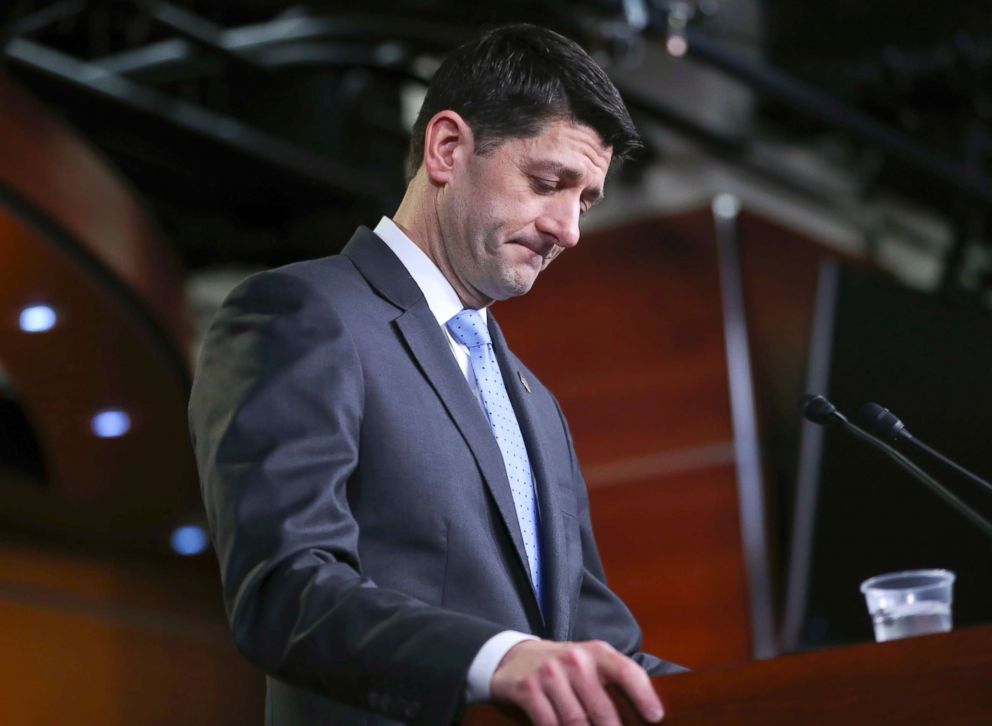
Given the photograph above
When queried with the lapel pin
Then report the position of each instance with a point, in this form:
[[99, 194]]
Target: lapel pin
[[523, 380]]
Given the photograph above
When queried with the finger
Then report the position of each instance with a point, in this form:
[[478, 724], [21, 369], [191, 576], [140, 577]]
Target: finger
[[558, 687], [596, 701], [529, 695], [634, 681]]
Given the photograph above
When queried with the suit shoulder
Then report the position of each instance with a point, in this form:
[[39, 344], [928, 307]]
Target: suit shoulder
[[333, 279], [323, 274], [318, 269]]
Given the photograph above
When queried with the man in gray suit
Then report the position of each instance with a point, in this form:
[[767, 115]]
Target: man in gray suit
[[395, 500]]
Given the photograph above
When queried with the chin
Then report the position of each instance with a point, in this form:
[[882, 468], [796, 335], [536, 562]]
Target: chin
[[518, 284]]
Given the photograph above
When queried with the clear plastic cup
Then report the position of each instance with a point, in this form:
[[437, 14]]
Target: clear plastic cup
[[913, 602]]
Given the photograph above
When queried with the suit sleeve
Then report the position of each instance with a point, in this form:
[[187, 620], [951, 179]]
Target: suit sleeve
[[600, 613], [275, 417]]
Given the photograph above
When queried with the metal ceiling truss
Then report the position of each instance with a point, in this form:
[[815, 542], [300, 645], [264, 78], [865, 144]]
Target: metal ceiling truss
[[131, 77], [389, 45]]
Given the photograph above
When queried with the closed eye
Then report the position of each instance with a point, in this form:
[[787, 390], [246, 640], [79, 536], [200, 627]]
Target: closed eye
[[545, 186]]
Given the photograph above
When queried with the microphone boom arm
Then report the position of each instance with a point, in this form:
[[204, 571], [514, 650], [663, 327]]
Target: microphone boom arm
[[974, 478], [974, 517], [885, 425]]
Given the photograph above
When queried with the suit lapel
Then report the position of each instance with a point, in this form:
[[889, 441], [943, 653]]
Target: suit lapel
[[554, 559], [429, 348]]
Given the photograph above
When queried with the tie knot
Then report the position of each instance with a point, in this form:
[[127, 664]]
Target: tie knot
[[469, 329]]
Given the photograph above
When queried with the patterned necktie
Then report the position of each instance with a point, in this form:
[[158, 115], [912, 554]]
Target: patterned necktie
[[470, 330]]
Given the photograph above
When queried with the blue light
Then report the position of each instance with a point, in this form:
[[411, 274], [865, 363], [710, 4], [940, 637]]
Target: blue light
[[111, 423], [37, 319], [188, 540]]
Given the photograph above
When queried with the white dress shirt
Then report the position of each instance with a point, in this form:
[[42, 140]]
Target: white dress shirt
[[444, 303]]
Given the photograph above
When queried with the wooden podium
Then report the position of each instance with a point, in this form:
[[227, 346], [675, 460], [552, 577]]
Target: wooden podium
[[936, 679]]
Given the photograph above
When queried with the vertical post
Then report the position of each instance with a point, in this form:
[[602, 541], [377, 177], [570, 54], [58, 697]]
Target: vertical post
[[810, 450], [750, 482]]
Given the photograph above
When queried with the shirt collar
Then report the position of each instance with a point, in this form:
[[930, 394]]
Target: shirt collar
[[441, 296]]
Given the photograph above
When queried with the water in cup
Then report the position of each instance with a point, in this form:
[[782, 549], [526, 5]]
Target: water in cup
[[908, 619]]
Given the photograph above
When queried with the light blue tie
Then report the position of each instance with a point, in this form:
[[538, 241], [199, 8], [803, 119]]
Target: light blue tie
[[470, 330]]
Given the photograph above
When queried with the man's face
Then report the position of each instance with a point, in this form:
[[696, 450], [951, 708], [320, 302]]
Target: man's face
[[504, 216]]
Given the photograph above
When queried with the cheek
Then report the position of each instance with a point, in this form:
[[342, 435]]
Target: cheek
[[465, 217], [517, 213]]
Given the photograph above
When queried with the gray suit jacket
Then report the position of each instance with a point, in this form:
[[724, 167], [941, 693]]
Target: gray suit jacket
[[358, 503]]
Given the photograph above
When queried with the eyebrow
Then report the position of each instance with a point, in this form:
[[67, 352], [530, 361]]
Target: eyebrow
[[594, 194]]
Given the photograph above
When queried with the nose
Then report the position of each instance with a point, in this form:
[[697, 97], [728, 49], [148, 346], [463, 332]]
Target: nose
[[560, 220]]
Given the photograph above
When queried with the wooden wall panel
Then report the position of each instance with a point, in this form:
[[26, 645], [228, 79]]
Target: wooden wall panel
[[686, 595], [88, 640]]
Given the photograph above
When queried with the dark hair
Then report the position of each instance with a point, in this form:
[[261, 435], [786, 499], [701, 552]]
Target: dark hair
[[511, 80]]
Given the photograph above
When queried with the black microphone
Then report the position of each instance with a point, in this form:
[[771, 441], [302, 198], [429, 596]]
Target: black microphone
[[883, 423], [887, 426], [820, 411]]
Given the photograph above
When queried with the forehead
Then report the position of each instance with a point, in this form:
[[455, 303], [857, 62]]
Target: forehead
[[565, 144]]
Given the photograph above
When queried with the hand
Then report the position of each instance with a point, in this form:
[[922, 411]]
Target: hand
[[564, 683]]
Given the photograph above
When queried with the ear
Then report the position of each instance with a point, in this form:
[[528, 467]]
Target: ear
[[447, 140]]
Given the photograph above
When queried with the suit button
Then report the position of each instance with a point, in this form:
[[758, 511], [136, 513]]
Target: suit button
[[411, 709]]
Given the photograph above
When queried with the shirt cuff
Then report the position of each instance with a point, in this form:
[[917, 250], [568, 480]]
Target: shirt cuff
[[478, 687]]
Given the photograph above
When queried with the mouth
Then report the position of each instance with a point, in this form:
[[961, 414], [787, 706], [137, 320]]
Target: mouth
[[542, 253]]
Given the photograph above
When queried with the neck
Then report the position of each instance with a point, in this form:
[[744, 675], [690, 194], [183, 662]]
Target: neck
[[414, 216], [419, 219]]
